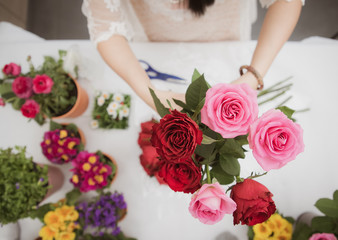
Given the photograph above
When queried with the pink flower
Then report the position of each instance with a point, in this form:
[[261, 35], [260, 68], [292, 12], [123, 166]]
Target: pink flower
[[229, 109], [210, 203], [2, 102], [30, 108], [42, 84], [22, 87], [11, 69], [323, 236], [275, 140]]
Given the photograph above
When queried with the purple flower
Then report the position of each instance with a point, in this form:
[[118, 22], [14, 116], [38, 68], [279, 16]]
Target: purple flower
[[17, 185]]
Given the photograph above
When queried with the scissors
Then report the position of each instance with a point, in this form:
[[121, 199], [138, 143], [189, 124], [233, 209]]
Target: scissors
[[153, 74]]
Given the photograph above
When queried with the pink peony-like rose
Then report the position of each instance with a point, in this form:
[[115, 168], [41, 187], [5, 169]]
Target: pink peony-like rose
[[42, 84], [323, 236], [22, 87], [30, 108], [210, 203], [12, 69], [2, 102], [275, 140], [229, 109]]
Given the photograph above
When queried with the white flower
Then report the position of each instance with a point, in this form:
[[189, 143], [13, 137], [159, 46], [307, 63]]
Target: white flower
[[100, 100], [94, 124], [112, 107], [105, 95], [114, 114], [124, 112], [118, 97]]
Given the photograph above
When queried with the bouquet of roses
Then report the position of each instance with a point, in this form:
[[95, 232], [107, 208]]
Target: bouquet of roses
[[200, 145]]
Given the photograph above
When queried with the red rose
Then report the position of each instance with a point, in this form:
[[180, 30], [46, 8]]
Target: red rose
[[30, 108], [11, 69], [2, 102], [176, 137], [42, 84], [150, 160], [145, 134], [22, 87], [181, 177], [254, 202]]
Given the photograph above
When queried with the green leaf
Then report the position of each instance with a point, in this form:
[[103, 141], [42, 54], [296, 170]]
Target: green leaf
[[198, 109], [161, 109], [250, 233], [287, 111], [181, 104], [54, 125], [230, 164], [72, 128], [205, 151], [301, 231], [232, 147], [328, 207], [5, 88], [73, 196], [39, 118], [195, 75], [242, 140], [17, 103], [222, 177], [208, 140], [323, 224], [41, 211], [196, 92], [335, 196]]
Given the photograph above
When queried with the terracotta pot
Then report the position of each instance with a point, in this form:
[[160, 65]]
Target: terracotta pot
[[80, 105], [114, 162], [55, 179], [124, 213]]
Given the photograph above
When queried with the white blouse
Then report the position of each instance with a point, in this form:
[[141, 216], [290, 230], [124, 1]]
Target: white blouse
[[163, 20]]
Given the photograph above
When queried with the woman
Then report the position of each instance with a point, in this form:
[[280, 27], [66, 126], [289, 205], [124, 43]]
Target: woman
[[113, 23]]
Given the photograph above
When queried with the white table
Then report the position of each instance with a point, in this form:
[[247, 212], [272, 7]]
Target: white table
[[154, 211]]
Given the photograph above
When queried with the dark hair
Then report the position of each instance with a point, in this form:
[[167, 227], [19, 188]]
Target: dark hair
[[199, 6]]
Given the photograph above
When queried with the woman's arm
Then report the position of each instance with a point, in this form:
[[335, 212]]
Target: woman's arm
[[279, 22], [117, 54]]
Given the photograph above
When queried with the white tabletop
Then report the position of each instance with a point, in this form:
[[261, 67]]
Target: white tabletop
[[154, 211]]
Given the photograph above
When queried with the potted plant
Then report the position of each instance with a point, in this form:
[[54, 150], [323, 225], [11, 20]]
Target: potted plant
[[99, 216], [45, 91], [24, 184], [62, 142], [111, 110], [93, 171]]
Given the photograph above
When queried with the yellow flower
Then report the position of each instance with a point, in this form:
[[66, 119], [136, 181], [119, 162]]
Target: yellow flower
[[99, 178], [71, 145], [91, 182], [66, 236], [48, 141], [65, 157], [47, 233], [86, 167], [61, 142], [53, 220], [75, 178], [72, 226], [92, 159], [63, 134], [68, 213], [262, 231]]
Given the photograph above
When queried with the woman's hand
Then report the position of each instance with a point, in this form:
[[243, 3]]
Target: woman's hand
[[248, 78]]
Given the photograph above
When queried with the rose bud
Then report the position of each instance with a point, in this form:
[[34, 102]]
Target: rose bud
[[150, 160], [254, 202], [12, 69], [146, 133]]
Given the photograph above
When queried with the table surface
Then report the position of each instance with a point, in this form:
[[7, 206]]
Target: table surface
[[154, 211]]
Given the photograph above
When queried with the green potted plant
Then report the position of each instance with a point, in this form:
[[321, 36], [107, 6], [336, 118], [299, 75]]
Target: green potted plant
[[24, 184], [44, 91]]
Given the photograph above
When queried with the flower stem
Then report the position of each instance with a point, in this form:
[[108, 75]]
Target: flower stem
[[208, 174]]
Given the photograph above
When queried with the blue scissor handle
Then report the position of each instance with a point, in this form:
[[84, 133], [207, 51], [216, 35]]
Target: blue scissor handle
[[153, 74]]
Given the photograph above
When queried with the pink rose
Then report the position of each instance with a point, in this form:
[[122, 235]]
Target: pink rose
[[11, 69], [42, 84], [22, 87], [210, 203], [30, 108], [275, 140], [323, 236], [2, 102], [229, 109]]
